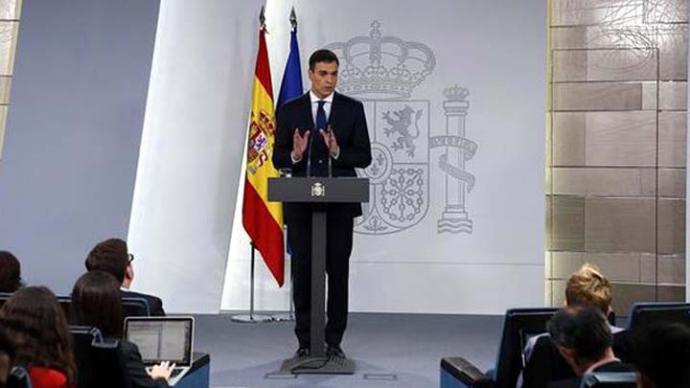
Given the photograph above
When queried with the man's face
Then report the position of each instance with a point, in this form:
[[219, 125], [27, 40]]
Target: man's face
[[323, 78]]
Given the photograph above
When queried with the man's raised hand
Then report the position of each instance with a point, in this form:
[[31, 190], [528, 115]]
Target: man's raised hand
[[299, 144]]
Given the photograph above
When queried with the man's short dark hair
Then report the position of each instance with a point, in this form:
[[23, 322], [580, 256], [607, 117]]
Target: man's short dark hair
[[582, 329], [109, 256], [664, 354], [322, 55]]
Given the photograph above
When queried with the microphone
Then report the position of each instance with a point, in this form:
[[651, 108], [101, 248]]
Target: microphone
[[330, 158], [311, 137]]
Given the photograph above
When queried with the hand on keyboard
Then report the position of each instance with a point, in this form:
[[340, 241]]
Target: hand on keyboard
[[161, 371]]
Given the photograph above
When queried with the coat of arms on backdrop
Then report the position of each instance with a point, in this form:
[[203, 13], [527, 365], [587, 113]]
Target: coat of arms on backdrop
[[383, 72]]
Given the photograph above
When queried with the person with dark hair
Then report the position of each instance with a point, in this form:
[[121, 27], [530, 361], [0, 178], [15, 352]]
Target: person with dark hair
[[38, 326], [10, 272], [96, 302], [320, 133], [664, 356], [113, 257], [583, 337]]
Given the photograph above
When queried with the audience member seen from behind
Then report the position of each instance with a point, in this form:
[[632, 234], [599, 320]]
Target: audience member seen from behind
[[585, 287], [112, 256], [96, 302], [7, 356], [664, 356], [38, 326], [583, 337], [10, 272]]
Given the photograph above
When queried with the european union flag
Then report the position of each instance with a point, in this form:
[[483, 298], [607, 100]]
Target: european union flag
[[291, 87]]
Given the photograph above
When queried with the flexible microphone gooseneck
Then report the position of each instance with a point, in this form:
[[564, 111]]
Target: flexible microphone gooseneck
[[311, 137]]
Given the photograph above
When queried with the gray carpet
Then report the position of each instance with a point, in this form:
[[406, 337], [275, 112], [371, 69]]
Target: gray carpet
[[391, 350]]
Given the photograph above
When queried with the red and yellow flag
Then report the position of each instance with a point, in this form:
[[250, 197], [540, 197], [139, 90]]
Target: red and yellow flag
[[262, 219]]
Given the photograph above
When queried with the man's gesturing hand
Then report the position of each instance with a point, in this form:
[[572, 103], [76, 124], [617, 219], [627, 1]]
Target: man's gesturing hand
[[299, 144]]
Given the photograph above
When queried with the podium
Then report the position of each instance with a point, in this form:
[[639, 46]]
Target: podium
[[318, 191]]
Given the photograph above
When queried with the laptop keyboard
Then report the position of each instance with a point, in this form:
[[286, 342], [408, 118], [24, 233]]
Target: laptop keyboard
[[176, 372]]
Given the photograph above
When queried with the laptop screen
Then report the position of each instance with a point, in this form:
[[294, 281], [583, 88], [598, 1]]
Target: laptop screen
[[162, 339]]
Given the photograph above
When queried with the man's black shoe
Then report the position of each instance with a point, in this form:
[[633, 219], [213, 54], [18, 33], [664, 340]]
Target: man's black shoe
[[334, 351], [302, 352]]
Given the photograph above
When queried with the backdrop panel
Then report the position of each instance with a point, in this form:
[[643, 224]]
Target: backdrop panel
[[73, 131], [456, 115], [191, 150]]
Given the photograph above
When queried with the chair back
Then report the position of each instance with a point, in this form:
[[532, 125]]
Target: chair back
[[135, 307], [98, 362], [519, 325], [66, 305], [644, 314], [18, 378], [3, 297], [609, 380]]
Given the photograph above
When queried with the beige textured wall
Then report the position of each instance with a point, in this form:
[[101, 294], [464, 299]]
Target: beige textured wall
[[616, 147], [10, 11]]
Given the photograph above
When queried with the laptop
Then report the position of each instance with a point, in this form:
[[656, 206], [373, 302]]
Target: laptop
[[163, 339]]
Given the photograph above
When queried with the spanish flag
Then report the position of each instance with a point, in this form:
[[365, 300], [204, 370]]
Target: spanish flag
[[262, 219]]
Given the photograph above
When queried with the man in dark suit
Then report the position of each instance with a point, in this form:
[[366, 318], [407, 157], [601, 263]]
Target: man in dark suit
[[112, 256], [321, 133], [583, 337]]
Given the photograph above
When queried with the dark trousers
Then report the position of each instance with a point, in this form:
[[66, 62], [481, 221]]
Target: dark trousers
[[338, 249]]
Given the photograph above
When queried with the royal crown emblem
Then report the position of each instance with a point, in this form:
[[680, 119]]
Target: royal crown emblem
[[384, 65]]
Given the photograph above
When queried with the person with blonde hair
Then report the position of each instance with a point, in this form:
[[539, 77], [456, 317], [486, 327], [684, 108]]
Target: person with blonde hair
[[589, 287], [586, 287]]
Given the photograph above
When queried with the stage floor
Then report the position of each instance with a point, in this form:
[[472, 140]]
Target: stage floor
[[390, 350]]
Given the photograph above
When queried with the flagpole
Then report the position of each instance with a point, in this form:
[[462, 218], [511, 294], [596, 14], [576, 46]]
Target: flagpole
[[290, 315], [251, 317]]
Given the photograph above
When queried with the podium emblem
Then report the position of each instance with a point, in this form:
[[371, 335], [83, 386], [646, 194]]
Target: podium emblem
[[318, 190]]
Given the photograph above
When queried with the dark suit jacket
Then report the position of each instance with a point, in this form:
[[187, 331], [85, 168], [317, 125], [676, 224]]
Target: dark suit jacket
[[136, 370], [613, 366], [155, 303], [349, 124]]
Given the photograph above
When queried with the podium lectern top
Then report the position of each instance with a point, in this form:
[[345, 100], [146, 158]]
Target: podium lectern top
[[318, 189]]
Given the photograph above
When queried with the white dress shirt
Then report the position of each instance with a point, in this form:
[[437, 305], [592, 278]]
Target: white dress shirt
[[315, 106]]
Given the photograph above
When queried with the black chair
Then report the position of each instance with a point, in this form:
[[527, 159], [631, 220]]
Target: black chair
[[3, 297], [18, 378], [644, 314], [609, 380], [98, 362], [131, 307], [519, 325], [65, 303], [135, 307]]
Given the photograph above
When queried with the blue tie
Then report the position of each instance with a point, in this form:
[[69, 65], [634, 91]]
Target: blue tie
[[320, 117]]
